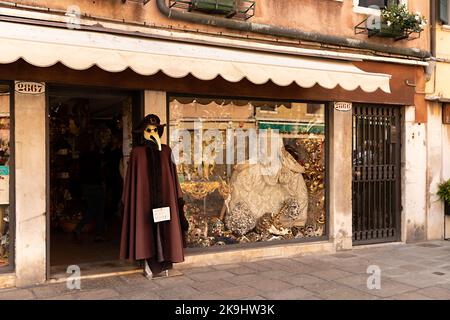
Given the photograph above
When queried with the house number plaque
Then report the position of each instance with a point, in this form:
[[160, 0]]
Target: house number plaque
[[343, 106], [30, 87]]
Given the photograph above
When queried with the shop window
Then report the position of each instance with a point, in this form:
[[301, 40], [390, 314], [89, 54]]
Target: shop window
[[444, 11], [250, 171], [5, 236], [372, 7], [378, 3]]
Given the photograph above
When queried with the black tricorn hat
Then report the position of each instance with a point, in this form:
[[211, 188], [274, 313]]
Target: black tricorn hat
[[151, 119]]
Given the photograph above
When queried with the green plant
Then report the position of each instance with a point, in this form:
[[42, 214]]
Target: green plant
[[397, 17], [444, 191]]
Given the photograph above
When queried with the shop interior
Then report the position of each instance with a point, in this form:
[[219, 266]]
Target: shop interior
[[90, 139], [5, 243]]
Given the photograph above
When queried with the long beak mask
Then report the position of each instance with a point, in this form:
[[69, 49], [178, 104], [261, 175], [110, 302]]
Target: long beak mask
[[151, 134]]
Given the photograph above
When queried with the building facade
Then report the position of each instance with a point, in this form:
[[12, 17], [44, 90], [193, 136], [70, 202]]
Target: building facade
[[437, 93], [342, 103]]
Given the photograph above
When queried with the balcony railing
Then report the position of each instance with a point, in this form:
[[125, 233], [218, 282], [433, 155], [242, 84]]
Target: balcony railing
[[386, 31]]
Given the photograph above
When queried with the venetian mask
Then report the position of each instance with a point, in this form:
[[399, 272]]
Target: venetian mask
[[151, 134]]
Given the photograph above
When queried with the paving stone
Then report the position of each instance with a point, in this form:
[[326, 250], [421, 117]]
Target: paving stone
[[355, 281], [213, 275], [141, 295], [269, 285], [190, 271], [431, 263], [289, 294], [312, 297], [133, 278], [256, 266], [394, 272], [332, 274], [320, 287], [389, 288], [212, 285], [445, 267], [421, 280], [315, 264], [227, 266], [16, 294], [255, 298], [178, 292], [429, 245], [101, 283], [301, 279], [270, 265], [445, 285], [275, 274], [436, 293], [288, 262], [61, 297], [97, 294], [242, 270], [344, 255], [301, 268], [415, 295], [355, 269], [346, 293], [412, 267], [173, 281], [47, 291], [205, 296], [244, 279], [238, 292]]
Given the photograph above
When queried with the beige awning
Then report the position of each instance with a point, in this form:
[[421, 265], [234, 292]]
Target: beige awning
[[80, 50]]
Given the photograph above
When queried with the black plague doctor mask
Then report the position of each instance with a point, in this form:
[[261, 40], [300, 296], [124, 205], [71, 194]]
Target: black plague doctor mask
[[152, 129]]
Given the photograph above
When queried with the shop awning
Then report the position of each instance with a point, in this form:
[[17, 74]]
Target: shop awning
[[80, 50]]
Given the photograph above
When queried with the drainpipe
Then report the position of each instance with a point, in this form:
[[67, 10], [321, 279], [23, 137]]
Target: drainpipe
[[276, 31], [433, 25]]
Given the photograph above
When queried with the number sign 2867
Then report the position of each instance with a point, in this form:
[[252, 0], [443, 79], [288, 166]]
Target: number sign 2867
[[30, 87]]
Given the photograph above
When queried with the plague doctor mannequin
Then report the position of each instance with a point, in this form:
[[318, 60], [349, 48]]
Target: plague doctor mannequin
[[154, 223]]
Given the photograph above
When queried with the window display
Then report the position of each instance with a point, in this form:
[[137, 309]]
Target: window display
[[250, 171], [5, 241]]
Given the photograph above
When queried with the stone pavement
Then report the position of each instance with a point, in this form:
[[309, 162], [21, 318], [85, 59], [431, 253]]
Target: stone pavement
[[413, 271]]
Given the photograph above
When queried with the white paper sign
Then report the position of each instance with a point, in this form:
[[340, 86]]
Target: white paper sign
[[161, 214]]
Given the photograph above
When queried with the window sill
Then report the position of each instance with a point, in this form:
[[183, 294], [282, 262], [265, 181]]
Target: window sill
[[367, 11]]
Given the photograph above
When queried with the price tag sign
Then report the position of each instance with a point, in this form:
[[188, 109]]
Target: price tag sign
[[161, 214]]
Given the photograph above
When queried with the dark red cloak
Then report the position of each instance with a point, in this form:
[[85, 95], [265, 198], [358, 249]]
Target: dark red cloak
[[161, 242]]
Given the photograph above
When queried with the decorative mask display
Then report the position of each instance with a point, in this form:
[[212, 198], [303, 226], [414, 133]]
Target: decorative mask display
[[152, 129], [151, 134], [239, 202]]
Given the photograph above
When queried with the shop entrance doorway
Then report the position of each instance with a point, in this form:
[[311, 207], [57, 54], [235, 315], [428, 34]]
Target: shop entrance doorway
[[376, 174], [90, 138]]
